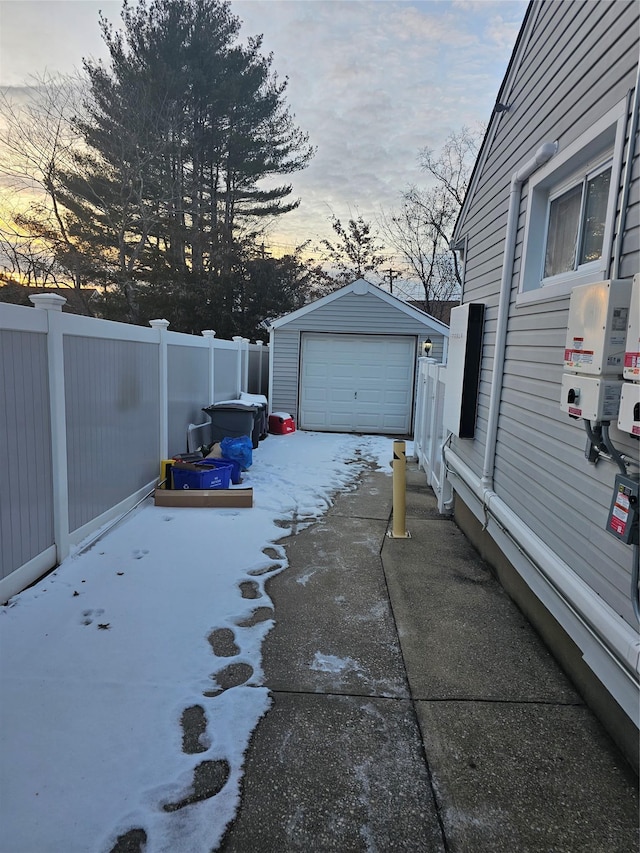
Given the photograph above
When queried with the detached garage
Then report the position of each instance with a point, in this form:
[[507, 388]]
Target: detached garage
[[347, 363]]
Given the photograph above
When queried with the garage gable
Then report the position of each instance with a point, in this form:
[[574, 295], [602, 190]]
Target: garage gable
[[365, 301]]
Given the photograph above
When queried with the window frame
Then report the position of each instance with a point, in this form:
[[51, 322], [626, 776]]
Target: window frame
[[590, 153], [580, 179]]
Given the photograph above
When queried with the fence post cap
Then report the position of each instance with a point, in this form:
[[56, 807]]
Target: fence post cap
[[208, 333], [159, 324], [48, 301]]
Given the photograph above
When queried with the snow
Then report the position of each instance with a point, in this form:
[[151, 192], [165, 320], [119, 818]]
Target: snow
[[101, 658]]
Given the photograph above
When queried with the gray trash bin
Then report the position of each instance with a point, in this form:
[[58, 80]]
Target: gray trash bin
[[231, 420]]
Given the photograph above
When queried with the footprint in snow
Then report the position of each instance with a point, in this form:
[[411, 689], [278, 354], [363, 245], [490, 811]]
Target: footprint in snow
[[89, 615], [223, 643], [232, 675], [250, 589]]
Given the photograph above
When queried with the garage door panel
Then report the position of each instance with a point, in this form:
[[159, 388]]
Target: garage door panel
[[341, 395], [352, 383]]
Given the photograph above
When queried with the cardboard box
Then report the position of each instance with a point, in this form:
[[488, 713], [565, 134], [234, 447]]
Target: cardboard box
[[204, 497]]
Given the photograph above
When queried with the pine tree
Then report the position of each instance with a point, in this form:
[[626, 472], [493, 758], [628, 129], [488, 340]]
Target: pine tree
[[180, 128]]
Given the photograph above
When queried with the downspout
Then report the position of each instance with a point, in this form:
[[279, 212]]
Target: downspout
[[542, 156]]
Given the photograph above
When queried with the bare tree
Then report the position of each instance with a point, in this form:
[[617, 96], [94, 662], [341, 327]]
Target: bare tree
[[451, 166], [420, 231], [37, 144]]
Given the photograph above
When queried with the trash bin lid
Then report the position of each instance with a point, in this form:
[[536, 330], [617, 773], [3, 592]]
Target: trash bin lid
[[238, 405]]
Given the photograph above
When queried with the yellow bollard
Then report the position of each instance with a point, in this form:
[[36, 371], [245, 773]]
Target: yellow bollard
[[399, 530]]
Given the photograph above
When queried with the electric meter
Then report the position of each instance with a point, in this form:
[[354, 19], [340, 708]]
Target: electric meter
[[597, 331]]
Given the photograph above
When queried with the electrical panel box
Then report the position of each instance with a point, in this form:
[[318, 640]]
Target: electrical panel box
[[590, 398], [629, 414], [623, 513], [597, 332], [632, 350], [463, 369]]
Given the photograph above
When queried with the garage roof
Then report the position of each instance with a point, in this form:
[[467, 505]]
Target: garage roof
[[359, 288]]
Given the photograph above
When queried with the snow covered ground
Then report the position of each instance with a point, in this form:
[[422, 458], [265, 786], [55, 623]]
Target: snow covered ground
[[100, 660]]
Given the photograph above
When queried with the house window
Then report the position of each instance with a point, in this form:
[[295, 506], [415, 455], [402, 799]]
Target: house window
[[577, 221], [570, 212]]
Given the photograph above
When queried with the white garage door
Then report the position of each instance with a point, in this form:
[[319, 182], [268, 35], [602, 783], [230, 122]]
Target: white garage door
[[357, 383]]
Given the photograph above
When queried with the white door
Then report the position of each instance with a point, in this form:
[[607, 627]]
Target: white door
[[357, 383]]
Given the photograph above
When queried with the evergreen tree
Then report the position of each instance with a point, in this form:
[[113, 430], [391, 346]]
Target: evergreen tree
[[180, 128]]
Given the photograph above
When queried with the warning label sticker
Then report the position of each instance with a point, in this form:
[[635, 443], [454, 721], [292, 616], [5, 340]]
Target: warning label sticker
[[620, 512], [576, 356]]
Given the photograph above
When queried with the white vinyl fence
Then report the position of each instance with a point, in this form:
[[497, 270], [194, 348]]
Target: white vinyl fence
[[88, 408], [429, 433]]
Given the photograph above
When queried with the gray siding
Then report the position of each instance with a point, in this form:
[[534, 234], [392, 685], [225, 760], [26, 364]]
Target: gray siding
[[109, 456], [366, 314], [581, 60], [26, 503], [348, 314], [286, 360]]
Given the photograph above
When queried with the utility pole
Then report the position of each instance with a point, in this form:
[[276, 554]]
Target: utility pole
[[392, 273]]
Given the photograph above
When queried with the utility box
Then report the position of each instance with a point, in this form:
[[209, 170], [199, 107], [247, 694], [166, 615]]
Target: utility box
[[629, 414], [597, 331], [632, 349], [463, 369], [590, 398], [623, 512]]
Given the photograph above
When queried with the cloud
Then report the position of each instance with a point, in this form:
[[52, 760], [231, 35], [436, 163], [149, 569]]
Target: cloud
[[372, 82]]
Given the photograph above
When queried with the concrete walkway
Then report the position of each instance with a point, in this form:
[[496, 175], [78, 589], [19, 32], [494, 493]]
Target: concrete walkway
[[414, 708]]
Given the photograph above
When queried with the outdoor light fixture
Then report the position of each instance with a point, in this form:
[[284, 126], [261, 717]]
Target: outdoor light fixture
[[427, 346]]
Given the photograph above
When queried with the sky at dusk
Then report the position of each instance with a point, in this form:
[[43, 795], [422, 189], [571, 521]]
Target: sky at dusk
[[372, 82]]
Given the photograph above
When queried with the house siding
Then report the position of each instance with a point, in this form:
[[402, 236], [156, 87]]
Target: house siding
[[348, 314], [580, 61]]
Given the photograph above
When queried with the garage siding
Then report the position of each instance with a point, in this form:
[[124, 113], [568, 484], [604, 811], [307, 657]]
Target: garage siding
[[366, 314], [285, 356]]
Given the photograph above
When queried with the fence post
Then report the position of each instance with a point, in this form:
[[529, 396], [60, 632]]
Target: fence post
[[419, 416], [445, 495], [243, 346], [210, 335], [260, 351], [162, 326], [52, 304]]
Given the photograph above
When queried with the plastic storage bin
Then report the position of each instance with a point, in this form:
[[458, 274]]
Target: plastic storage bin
[[231, 420], [231, 463], [202, 476], [281, 423]]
